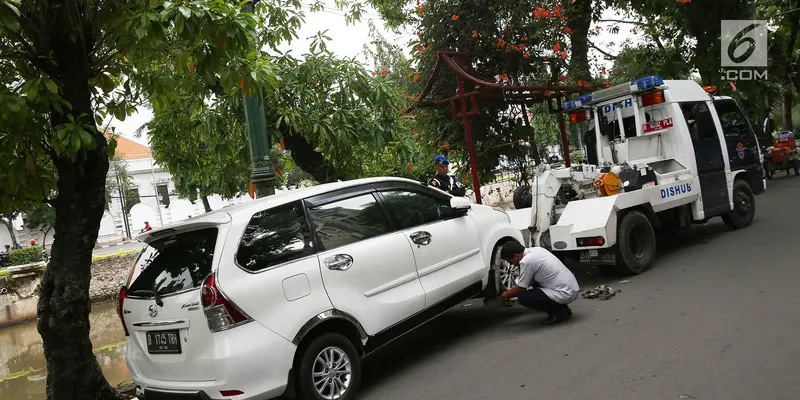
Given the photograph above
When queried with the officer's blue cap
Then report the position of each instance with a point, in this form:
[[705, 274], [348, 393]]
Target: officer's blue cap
[[440, 160]]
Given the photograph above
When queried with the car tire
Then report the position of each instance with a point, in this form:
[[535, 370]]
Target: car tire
[[508, 273], [636, 243], [330, 354], [522, 197], [744, 206]]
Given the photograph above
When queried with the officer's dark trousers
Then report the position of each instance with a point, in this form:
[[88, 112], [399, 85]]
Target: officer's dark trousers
[[536, 299]]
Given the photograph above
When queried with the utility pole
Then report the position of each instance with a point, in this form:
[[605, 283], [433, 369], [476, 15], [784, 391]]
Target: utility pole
[[125, 223], [262, 174]]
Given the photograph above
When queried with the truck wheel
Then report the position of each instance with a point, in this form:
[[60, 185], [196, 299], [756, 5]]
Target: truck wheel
[[744, 206], [636, 243], [330, 369], [522, 197]]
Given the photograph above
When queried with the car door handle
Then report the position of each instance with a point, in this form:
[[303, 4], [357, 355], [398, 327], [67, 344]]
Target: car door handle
[[421, 238], [341, 262]]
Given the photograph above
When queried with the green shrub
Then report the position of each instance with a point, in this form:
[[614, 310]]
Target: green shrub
[[26, 255]]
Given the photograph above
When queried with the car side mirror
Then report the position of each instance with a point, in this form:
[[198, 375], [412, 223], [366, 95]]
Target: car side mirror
[[460, 203]]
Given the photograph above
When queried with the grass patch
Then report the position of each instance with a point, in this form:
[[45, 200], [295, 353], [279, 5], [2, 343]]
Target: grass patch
[[115, 254], [5, 272]]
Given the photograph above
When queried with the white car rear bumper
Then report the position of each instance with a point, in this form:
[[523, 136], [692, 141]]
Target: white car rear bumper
[[249, 358]]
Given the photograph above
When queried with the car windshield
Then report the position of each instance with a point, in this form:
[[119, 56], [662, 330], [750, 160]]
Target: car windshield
[[174, 264]]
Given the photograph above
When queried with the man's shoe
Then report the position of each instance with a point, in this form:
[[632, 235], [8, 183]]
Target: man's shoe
[[569, 311], [558, 317]]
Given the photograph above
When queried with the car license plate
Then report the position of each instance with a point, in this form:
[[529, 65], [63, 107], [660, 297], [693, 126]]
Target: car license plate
[[595, 257], [163, 342]]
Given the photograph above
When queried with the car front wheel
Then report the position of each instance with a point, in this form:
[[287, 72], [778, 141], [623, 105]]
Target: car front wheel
[[508, 273], [330, 368]]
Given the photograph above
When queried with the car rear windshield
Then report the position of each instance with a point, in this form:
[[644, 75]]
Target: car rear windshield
[[174, 264]]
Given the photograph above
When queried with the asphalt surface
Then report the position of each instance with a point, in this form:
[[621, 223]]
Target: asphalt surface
[[122, 247], [716, 318]]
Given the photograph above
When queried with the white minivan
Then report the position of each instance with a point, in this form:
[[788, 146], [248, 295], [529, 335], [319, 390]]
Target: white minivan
[[285, 294]]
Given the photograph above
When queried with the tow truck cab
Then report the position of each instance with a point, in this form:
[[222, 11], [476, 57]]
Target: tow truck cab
[[679, 151]]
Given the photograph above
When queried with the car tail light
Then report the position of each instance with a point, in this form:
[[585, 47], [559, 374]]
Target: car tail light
[[652, 98], [228, 393], [591, 241], [221, 313], [123, 291]]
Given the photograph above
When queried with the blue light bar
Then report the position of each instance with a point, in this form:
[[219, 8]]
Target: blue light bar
[[577, 102], [645, 83]]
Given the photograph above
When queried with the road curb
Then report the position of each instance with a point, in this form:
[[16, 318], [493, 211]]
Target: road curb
[[105, 246]]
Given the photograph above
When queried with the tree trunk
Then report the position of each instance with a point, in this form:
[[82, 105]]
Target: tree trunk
[[578, 20], [9, 223], [206, 205], [787, 103], [63, 309], [309, 159]]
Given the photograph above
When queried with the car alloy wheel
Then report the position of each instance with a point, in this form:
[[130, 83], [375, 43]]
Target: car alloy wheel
[[332, 373]]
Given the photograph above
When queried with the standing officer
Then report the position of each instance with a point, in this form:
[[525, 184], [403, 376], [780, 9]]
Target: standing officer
[[443, 181]]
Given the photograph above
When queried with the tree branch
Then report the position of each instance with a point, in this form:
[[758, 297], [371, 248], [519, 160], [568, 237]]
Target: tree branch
[[622, 21], [605, 53]]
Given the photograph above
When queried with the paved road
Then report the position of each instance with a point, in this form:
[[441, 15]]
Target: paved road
[[122, 247], [717, 318]]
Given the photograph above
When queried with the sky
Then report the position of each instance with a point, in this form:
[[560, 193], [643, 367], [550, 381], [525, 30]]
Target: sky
[[349, 40]]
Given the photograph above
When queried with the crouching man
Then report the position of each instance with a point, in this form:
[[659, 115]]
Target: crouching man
[[544, 284]]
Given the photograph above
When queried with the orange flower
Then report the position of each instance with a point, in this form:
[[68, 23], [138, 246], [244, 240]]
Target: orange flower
[[527, 54], [611, 43], [546, 58], [557, 11], [419, 35], [454, 17], [603, 71], [410, 168], [567, 30], [421, 9], [474, 33], [374, 73], [521, 46], [416, 76], [548, 93], [383, 71], [633, 31], [420, 49], [607, 84], [557, 47], [537, 13], [524, 38], [562, 78], [500, 43]]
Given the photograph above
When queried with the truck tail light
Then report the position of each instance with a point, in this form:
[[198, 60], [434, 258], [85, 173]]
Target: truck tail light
[[123, 291], [221, 313], [652, 98], [577, 116], [591, 241]]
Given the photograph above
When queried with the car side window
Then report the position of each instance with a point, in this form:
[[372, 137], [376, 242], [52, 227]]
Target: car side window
[[348, 221], [733, 121], [412, 208], [699, 120], [273, 237]]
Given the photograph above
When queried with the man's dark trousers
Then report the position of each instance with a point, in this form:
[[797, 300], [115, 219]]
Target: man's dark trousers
[[536, 299]]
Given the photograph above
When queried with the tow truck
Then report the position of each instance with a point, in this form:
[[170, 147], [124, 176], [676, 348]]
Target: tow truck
[[662, 154]]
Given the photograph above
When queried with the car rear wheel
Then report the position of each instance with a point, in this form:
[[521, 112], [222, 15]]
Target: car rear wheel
[[330, 368]]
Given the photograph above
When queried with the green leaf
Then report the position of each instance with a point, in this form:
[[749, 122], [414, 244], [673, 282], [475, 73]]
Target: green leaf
[[51, 86], [106, 83], [119, 113], [185, 11]]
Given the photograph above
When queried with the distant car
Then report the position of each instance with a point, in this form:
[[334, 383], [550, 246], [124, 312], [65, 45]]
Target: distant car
[[290, 291]]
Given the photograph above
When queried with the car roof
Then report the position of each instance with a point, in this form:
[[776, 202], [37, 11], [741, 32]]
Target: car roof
[[249, 208]]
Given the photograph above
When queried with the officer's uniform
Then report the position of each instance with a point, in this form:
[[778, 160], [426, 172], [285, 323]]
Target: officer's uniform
[[447, 183]]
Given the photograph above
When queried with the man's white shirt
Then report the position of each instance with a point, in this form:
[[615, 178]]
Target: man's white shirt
[[541, 268]]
